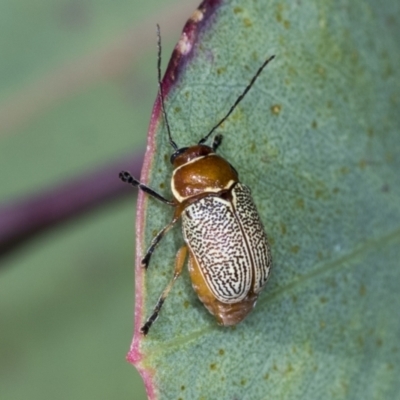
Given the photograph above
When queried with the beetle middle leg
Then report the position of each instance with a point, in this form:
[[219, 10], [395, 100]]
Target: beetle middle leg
[[179, 263], [128, 178], [156, 240]]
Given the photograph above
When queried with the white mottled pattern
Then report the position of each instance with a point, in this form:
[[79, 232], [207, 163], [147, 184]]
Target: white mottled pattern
[[228, 241], [254, 234]]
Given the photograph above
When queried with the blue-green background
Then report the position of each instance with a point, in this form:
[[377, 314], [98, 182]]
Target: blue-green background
[[67, 297]]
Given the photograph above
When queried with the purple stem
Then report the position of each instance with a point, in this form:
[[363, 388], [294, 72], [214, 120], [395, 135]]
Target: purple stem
[[22, 219]]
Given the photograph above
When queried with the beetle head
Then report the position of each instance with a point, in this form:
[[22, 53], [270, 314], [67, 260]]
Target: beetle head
[[186, 154]]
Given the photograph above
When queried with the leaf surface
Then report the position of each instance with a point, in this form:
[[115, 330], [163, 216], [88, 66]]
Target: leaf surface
[[317, 141]]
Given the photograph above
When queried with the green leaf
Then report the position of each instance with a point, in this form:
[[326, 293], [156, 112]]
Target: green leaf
[[317, 141]]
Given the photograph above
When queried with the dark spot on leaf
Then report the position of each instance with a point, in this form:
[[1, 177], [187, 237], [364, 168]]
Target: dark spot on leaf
[[247, 22], [323, 300], [243, 382], [295, 249], [213, 367], [385, 188], [162, 185], [276, 109], [379, 342], [221, 352], [314, 124], [283, 228], [322, 324], [177, 110], [319, 193], [286, 24], [321, 71], [221, 70], [266, 376], [388, 72], [344, 170], [183, 387], [360, 341], [331, 282], [186, 304], [289, 368], [389, 157], [300, 203], [363, 290], [237, 10], [294, 298], [362, 164], [335, 190]]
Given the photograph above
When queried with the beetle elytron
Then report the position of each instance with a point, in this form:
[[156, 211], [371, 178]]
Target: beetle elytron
[[229, 254]]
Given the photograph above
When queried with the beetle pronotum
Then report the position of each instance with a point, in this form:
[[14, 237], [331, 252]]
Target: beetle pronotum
[[229, 254]]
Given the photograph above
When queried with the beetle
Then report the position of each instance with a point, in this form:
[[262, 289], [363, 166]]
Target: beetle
[[229, 254]]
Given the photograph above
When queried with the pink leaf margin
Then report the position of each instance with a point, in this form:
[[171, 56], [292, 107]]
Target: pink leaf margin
[[182, 53]]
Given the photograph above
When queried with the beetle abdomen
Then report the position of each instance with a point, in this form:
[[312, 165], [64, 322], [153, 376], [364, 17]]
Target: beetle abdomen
[[217, 234]]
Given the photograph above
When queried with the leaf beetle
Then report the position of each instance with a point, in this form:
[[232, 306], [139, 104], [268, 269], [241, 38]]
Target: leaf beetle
[[229, 254]]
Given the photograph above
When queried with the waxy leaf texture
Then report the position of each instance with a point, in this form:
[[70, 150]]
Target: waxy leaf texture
[[317, 140]]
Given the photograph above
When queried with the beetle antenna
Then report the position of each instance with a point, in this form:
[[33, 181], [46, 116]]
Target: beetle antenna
[[239, 99], [160, 90]]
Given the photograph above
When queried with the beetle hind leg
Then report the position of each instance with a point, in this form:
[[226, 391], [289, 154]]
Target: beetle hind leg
[[179, 262]]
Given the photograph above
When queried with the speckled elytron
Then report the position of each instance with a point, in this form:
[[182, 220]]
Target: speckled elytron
[[229, 255]]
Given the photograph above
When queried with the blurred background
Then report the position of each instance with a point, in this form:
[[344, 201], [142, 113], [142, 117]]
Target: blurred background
[[77, 85]]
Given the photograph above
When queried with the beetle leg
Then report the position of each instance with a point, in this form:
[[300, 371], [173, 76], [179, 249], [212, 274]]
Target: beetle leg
[[216, 142], [128, 178], [179, 262], [156, 240]]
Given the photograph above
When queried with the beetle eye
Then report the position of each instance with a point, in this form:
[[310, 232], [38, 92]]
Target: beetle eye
[[177, 153]]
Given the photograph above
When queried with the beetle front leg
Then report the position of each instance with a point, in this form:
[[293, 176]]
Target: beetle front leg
[[179, 262], [126, 177], [156, 240]]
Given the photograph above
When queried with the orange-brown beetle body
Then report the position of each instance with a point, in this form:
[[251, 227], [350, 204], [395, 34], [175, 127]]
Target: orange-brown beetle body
[[229, 255]]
